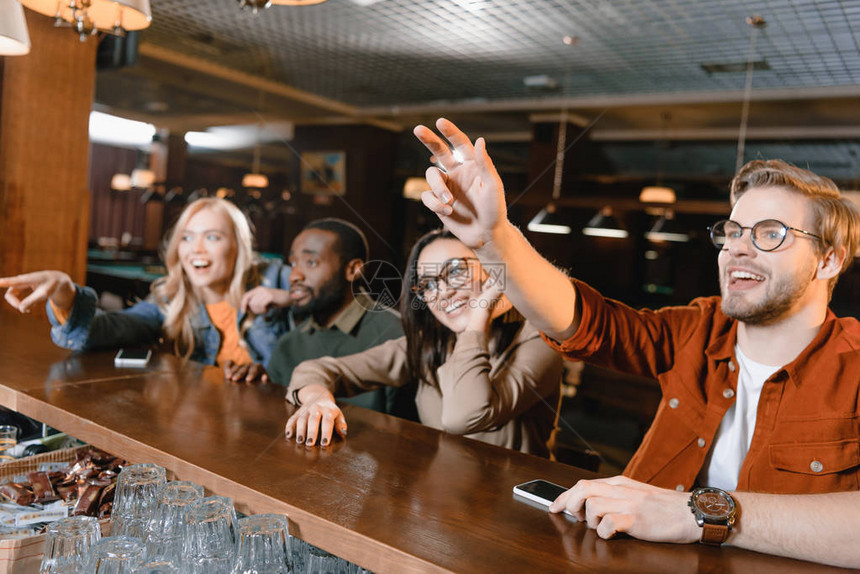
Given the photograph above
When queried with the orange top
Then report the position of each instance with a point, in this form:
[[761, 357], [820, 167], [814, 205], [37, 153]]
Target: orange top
[[223, 317], [806, 433]]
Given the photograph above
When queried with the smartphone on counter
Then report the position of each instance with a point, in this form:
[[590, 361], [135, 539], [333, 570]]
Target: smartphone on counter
[[132, 358], [540, 491]]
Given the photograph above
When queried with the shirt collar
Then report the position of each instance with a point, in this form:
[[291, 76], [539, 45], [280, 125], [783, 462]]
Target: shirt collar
[[347, 319]]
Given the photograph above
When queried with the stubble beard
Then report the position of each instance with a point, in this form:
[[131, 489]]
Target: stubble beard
[[776, 303]]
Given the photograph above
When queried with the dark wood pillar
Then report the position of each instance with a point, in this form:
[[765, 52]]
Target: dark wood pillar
[[45, 103]]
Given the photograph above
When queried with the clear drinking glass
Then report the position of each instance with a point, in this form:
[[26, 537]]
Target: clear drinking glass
[[135, 498], [157, 567], [116, 555], [165, 532], [67, 544], [322, 562], [8, 439], [210, 541], [299, 550], [263, 545]]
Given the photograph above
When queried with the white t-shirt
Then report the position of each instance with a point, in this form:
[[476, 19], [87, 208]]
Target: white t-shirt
[[730, 447]]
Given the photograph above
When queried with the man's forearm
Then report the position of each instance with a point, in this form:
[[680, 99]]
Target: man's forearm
[[818, 527], [541, 292]]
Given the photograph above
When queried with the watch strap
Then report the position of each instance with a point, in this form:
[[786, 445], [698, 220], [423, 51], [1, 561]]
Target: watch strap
[[714, 534]]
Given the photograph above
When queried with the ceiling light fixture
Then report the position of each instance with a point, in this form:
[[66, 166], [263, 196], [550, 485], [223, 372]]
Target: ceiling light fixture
[[756, 23], [257, 5], [544, 221], [14, 39], [415, 187], [666, 228], [604, 224], [87, 17]]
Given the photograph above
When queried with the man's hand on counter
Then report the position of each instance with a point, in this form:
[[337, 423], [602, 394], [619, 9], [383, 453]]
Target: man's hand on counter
[[248, 373], [620, 504], [316, 418]]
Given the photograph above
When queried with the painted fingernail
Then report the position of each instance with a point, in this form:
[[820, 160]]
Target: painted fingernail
[[288, 434], [324, 441], [300, 439], [309, 441], [446, 197], [343, 431]]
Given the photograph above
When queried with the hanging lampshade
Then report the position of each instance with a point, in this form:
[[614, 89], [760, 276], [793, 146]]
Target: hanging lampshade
[[110, 15], [256, 180], [296, 2], [604, 224], [14, 39]]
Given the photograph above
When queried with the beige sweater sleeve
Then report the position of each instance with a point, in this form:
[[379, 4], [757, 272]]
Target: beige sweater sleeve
[[481, 393], [383, 365]]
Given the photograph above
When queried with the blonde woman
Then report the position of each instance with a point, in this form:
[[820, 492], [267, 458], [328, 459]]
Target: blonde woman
[[216, 305]]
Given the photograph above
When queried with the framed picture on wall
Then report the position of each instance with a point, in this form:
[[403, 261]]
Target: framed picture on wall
[[324, 172]]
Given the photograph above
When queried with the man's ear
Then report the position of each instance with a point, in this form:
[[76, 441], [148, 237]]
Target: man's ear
[[353, 269], [831, 262]]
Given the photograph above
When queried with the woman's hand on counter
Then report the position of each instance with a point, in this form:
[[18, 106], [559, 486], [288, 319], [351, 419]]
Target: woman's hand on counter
[[29, 289], [317, 417], [261, 299], [620, 504], [249, 373]]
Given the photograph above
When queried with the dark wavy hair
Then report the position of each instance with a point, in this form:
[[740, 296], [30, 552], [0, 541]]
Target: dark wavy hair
[[428, 342]]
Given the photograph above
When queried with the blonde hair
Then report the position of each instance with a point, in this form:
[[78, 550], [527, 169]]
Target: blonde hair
[[174, 293], [836, 218]]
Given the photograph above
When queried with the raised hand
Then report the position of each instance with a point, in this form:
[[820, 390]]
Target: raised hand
[[468, 196], [249, 373], [260, 299], [316, 418], [30, 289]]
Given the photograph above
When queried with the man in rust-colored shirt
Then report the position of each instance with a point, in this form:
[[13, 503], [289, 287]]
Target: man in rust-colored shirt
[[760, 416]]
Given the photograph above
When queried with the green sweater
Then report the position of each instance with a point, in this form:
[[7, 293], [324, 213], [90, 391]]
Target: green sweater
[[354, 330]]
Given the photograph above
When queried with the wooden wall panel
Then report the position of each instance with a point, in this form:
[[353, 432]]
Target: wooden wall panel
[[44, 152]]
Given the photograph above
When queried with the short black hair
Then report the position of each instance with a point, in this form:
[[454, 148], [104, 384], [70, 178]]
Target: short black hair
[[351, 242]]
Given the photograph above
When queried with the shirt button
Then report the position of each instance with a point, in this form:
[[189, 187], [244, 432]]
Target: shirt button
[[680, 488], [816, 466], [701, 442], [673, 403], [728, 393], [732, 366]]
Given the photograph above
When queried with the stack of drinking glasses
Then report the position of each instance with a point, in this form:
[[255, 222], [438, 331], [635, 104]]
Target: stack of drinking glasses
[[162, 527]]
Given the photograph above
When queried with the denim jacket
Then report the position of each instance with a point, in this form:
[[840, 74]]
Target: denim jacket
[[89, 328]]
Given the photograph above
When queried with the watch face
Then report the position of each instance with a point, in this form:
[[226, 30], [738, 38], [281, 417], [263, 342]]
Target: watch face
[[714, 505]]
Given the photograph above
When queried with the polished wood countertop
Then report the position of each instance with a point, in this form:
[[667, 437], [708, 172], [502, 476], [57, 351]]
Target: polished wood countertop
[[394, 497]]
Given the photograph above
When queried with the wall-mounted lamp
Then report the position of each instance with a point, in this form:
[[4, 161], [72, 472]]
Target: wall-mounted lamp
[[604, 224], [14, 39]]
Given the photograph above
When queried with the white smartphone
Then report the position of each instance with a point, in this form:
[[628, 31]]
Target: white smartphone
[[132, 358], [540, 491]]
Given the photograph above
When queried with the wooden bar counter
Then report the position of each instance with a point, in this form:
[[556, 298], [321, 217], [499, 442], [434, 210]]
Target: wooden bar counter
[[394, 497]]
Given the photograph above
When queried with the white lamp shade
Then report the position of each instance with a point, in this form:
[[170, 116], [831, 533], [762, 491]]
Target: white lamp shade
[[255, 180], [296, 2], [142, 178], [657, 194], [14, 39], [414, 187], [120, 182], [106, 14]]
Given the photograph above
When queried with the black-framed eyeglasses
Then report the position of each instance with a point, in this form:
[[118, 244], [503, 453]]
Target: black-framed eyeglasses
[[767, 235], [456, 273]]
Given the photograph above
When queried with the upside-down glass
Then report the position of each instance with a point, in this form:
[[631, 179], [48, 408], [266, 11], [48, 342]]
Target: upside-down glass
[[157, 567], [165, 532], [210, 542], [263, 545], [322, 562], [67, 544], [135, 498], [116, 555], [456, 273], [8, 439], [766, 235]]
